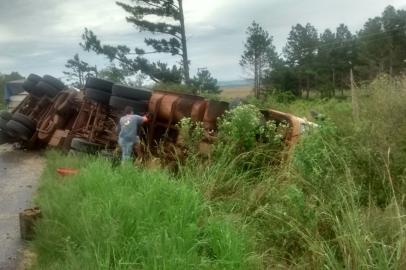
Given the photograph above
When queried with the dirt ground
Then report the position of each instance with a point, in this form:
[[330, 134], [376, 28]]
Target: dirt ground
[[19, 174]]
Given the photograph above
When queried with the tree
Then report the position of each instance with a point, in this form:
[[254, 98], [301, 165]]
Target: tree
[[258, 55], [335, 57], [163, 17], [327, 62], [394, 23], [282, 78], [114, 74], [301, 52], [118, 75], [79, 71], [205, 83]]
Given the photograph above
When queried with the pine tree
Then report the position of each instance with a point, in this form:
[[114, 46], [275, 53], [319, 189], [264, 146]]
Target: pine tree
[[205, 83], [301, 52], [79, 71], [258, 55], [170, 27]]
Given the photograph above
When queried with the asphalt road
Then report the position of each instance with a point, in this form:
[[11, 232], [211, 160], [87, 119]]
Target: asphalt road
[[19, 174]]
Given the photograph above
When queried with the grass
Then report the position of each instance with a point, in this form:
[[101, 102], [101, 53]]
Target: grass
[[126, 218], [230, 93], [336, 203]]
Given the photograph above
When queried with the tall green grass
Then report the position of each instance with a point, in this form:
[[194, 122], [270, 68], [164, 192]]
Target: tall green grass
[[128, 218], [336, 203]]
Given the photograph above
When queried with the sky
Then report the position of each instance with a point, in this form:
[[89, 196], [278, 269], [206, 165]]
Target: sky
[[39, 36]]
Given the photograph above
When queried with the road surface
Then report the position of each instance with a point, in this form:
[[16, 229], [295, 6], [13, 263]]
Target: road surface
[[19, 174]]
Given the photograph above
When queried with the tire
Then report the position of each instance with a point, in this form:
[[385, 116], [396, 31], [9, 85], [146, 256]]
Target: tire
[[54, 82], [5, 138], [4, 118], [131, 93], [26, 121], [34, 77], [99, 84], [19, 130], [121, 103], [3, 124], [98, 96], [29, 85], [30, 82], [6, 115], [43, 88], [82, 145]]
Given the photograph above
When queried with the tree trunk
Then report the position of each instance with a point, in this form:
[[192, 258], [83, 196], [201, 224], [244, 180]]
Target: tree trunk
[[391, 62], [300, 85], [81, 84], [259, 81], [334, 82], [354, 99], [184, 45], [256, 79], [307, 87]]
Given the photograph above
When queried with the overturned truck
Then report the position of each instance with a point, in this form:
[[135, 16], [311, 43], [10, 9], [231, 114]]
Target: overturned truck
[[86, 120]]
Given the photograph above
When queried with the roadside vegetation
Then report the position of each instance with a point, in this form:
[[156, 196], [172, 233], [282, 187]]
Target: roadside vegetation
[[337, 202]]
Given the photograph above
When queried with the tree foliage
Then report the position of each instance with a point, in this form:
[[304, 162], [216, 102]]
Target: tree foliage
[[203, 82], [170, 29], [79, 71], [323, 62], [258, 55]]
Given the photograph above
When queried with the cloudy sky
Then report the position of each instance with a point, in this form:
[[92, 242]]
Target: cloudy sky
[[38, 36]]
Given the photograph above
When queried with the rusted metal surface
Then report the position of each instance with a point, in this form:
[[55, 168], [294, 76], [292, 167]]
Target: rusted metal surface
[[95, 122], [213, 111], [168, 108], [70, 115], [294, 125], [58, 114], [58, 138]]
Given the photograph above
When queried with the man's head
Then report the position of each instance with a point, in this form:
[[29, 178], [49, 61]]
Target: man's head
[[128, 110]]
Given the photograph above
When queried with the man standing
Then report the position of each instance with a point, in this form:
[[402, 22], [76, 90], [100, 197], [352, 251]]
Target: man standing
[[128, 132]]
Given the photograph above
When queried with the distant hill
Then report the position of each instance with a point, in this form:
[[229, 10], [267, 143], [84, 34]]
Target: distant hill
[[235, 83]]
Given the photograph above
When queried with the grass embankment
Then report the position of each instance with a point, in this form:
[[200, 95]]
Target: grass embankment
[[124, 218], [337, 203]]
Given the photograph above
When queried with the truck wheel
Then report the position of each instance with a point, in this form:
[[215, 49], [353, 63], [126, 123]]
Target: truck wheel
[[30, 82], [121, 103], [99, 84], [82, 145], [5, 138], [131, 93], [6, 115], [4, 118], [98, 95], [3, 124], [19, 130], [54, 82], [26, 121], [34, 77], [43, 88]]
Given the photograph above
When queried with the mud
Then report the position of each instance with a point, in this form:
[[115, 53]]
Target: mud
[[19, 174]]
